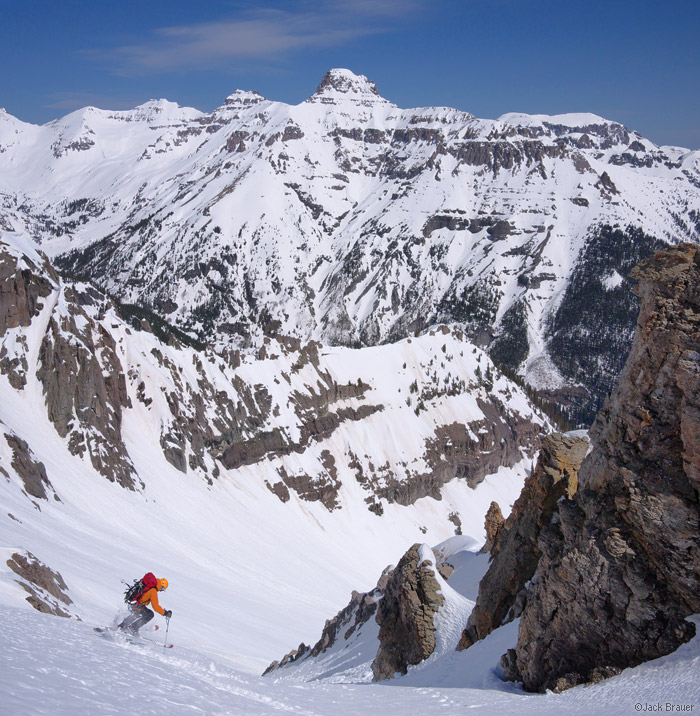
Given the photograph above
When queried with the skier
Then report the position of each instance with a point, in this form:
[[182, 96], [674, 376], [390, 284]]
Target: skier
[[140, 614]]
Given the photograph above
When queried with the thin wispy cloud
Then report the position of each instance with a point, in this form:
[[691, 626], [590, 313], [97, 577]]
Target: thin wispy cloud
[[257, 34]]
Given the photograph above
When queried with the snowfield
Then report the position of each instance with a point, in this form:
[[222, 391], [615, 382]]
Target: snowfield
[[245, 587], [61, 667]]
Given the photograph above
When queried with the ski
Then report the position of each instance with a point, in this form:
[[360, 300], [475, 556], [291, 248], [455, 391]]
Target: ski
[[157, 643], [107, 630], [130, 638]]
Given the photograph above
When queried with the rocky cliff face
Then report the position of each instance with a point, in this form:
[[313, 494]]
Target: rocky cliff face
[[84, 383], [515, 552], [305, 415], [406, 614], [620, 564], [24, 284]]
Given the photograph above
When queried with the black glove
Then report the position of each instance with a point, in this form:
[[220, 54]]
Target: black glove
[[167, 614]]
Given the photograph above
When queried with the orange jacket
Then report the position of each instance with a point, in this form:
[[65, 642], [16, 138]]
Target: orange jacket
[[151, 597]]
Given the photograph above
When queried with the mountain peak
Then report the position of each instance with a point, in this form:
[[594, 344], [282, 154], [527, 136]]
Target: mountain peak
[[340, 85], [243, 98]]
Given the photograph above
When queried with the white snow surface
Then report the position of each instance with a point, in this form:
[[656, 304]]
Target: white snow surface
[[61, 667], [248, 582], [612, 280]]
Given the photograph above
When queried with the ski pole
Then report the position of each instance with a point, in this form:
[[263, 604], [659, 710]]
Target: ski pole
[[167, 628]]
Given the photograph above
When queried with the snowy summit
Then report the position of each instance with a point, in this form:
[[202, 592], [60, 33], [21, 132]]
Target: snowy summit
[[340, 85]]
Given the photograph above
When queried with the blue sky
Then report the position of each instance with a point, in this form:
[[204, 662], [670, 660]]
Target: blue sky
[[637, 62]]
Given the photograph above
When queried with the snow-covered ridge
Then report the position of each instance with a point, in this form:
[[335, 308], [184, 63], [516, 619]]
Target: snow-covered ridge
[[292, 412], [349, 221], [571, 120]]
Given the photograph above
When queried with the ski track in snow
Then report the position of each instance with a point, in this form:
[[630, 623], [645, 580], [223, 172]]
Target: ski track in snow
[[60, 667]]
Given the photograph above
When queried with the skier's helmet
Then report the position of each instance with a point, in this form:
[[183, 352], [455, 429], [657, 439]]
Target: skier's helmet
[[162, 584]]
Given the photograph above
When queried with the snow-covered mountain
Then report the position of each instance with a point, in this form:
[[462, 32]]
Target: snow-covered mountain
[[287, 386], [348, 220], [377, 426], [264, 487]]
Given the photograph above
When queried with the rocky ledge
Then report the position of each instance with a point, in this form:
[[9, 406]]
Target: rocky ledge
[[620, 566]]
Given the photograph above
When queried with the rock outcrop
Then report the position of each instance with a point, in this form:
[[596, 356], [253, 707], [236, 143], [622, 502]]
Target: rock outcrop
[[23, 287], [404, 604], [515, 551], [297, 654], [85, 386], [46, 588], [30, 470], [470, 451], [406, 614], [492, 525], [359, 610], [620, 565]]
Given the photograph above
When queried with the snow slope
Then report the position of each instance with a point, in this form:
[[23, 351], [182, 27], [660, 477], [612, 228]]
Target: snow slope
[[248, 574], [59, 667], [135, 480]]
